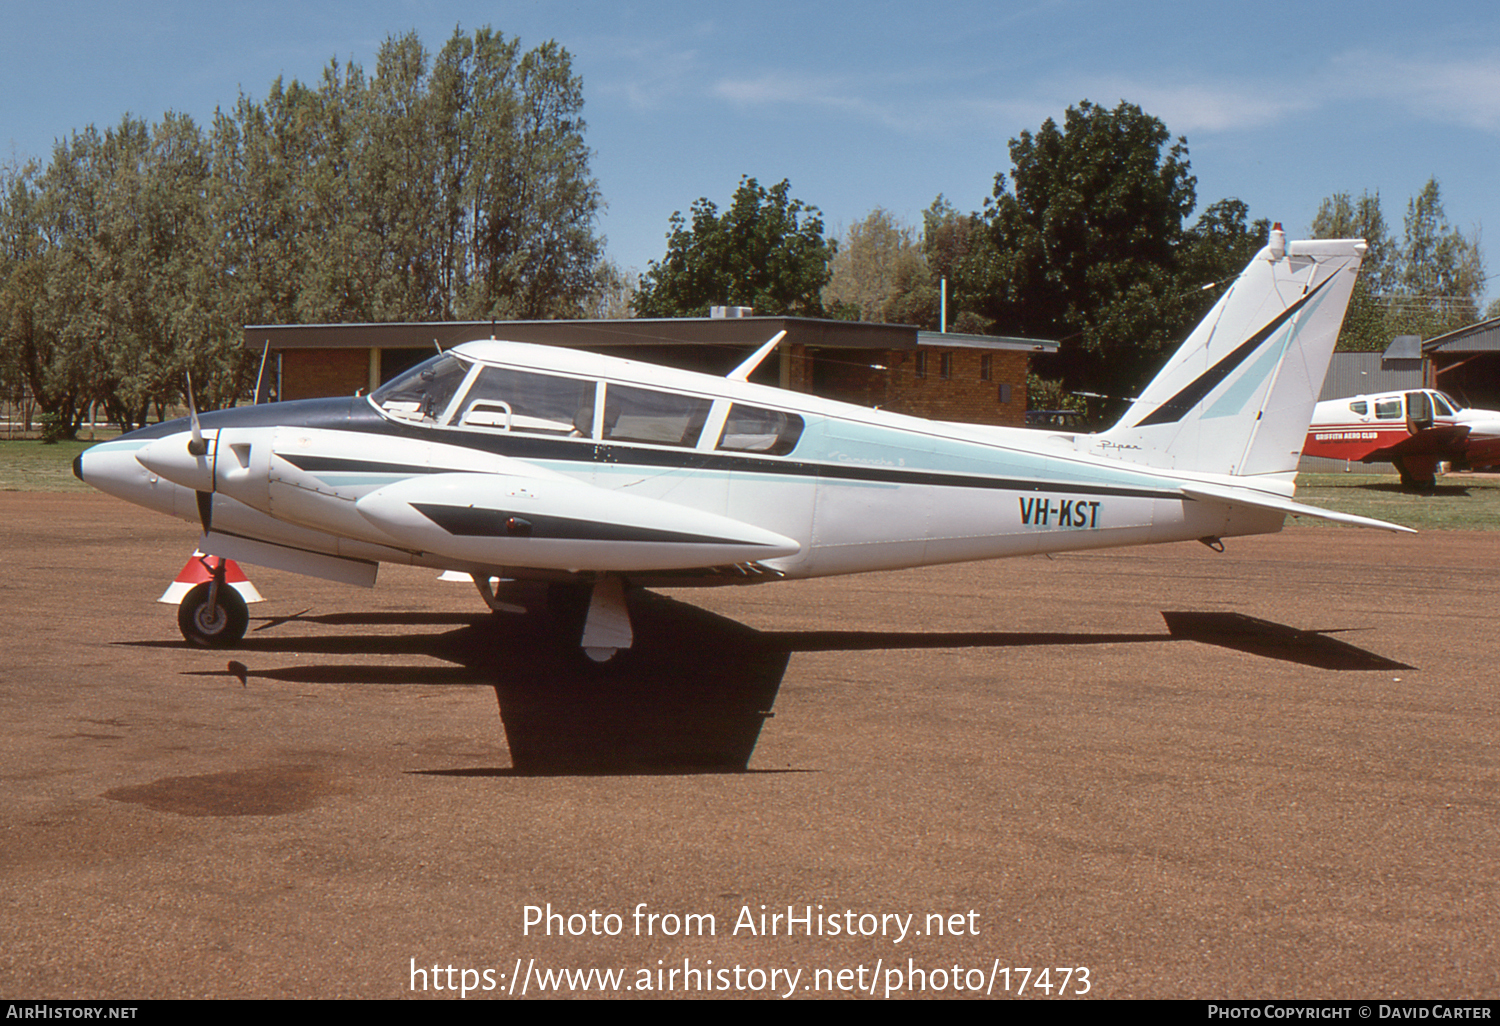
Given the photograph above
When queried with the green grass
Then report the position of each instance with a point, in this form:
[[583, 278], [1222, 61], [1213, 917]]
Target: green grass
[[1462, 502], [27, 465]]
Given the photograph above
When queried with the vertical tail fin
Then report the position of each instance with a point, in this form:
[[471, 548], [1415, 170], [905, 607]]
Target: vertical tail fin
[[1237, 397]]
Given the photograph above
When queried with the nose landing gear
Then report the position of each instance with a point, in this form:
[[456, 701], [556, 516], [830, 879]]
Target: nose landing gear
[[212, 614]]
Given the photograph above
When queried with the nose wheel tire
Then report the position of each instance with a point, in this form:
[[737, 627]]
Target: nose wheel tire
[[221, 625]]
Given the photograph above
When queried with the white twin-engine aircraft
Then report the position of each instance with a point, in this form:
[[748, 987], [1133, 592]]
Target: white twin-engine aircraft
[[523, 463]]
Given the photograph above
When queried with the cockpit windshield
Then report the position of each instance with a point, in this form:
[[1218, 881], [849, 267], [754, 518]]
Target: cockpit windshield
[[424, 392]]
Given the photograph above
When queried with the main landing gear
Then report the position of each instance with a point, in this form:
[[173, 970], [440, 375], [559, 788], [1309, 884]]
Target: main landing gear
[[596, 615], [213, 615]]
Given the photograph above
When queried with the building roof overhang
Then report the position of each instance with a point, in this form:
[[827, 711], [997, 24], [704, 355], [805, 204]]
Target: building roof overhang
[[959, 340], [811, 332], [1483, 337], [713, 331]]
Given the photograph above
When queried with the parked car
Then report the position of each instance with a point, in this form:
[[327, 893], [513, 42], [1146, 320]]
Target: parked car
[[1056, 420]]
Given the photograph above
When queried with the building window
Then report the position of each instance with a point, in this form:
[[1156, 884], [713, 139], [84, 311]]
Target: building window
[[921, 365], [945, 366], [1005, 393], [986, 366]]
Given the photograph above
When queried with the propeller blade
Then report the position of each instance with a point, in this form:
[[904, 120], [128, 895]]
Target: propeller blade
[[196, 445]]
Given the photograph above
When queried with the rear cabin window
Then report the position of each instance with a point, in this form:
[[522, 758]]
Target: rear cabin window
[[1388, 409], [657, 418], [754, 429], [1360, 408], [514, 400]]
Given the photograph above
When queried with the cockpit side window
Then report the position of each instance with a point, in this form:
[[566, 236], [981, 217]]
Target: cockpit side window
[[515, 400], [1440, 403], [754, 429], [658, 418], [424, 392]]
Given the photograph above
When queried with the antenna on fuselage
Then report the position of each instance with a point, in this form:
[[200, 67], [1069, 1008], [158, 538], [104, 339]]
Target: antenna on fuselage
[[261, 376], [744, 370]]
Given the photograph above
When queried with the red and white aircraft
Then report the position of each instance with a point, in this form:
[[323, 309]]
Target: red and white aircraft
[[1414, 430]]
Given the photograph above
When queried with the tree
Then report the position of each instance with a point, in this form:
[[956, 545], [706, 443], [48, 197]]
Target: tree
[[455, 187], [529, 190], [877, 256], [1426, 284], [1085, 245], [612, 293], [948, 237], [448, 187], [1440, 272], [766, 251], [1340, 216], [34, 356]]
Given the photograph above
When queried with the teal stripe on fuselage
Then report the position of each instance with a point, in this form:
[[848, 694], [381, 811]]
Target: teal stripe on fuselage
[[848, 453]]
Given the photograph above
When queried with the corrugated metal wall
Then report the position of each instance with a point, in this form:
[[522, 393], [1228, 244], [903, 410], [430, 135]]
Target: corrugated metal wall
[[1362, 373]]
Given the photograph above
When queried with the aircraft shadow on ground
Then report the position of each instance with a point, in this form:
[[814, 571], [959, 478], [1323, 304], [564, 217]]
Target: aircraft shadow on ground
[[1396, 488], [693, 694]]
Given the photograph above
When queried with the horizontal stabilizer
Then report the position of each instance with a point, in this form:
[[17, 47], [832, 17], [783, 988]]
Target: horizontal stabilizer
[[1265, 500]]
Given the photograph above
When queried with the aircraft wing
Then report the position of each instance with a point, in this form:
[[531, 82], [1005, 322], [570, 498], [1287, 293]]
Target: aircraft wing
[[1265, 500], [555, 523], [1447, 441]]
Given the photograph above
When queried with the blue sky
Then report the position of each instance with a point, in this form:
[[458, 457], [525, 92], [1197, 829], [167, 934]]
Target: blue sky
[[859, 104]]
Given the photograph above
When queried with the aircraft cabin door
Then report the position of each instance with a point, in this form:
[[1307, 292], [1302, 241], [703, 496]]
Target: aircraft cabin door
[[1418, 411]]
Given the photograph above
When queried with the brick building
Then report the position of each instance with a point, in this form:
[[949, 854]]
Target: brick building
[[945, 376]]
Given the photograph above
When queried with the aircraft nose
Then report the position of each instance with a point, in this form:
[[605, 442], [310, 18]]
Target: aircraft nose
[[112, 467]]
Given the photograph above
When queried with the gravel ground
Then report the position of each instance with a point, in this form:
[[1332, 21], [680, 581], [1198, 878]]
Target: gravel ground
[[1267, 773]]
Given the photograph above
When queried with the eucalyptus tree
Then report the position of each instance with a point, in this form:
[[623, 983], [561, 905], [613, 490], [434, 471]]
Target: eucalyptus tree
[[878, 259], [1426, 283], [435, 188], [32, 357], [1440, 276], [532, 197]]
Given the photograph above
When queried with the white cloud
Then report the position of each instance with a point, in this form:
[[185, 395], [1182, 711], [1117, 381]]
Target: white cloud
[[1463, 90], [1456, 89], [651, 73], [1217, 107]]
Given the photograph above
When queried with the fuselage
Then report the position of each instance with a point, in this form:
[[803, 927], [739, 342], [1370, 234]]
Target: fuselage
[[522, 460], [1412, 424]]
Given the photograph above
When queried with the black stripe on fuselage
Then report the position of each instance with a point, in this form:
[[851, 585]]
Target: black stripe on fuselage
[[472, 522], [1175, 408]]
